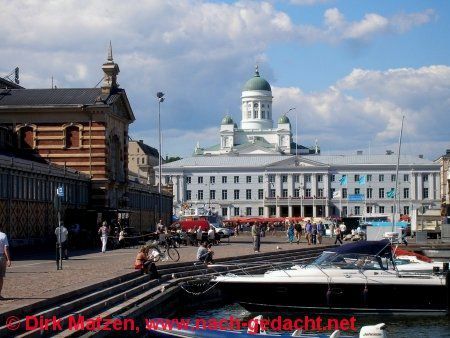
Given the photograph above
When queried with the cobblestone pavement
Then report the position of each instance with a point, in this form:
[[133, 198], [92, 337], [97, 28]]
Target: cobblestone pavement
[[31, 280]]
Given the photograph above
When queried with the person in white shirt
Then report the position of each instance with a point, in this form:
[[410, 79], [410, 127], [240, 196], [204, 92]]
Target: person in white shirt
[[61, 234], [5, 260], [160, 227], [103, 232], [211, 235]]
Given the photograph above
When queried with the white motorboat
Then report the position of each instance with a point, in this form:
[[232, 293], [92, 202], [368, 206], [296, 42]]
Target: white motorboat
[[357, 277]]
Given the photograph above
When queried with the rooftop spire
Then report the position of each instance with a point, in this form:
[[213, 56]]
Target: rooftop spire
[[110, 57], [256, 70]]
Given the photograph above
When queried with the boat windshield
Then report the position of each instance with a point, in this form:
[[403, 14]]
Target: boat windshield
[[349, 261]]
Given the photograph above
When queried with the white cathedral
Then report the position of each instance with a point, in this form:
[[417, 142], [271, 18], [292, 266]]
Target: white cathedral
[[257, 134]]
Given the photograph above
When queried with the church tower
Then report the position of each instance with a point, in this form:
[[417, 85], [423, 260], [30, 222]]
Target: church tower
[[256, 104]]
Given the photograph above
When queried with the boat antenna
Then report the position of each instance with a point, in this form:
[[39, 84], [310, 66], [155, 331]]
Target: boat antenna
[[396, 177]]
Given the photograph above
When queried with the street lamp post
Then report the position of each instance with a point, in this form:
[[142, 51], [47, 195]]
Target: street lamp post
[[160, 97]]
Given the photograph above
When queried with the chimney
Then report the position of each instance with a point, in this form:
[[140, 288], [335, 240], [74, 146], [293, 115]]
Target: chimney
[[359, 152], [420, 156], [389, 152]]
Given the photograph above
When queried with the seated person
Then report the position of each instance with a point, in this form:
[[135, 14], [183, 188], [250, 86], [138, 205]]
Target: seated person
[[145, 262], [204, 253]]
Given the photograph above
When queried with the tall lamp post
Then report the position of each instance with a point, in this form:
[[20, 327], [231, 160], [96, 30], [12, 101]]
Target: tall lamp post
[[160, 97]]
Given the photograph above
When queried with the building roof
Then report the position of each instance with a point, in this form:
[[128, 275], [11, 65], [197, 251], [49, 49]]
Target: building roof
[[257, 83], [227, 120], [147, 149], [249, 161], [55, 97], [284, 119]]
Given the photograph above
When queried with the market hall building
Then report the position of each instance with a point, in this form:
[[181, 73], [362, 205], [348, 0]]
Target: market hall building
[[257, 170], [86, 130]]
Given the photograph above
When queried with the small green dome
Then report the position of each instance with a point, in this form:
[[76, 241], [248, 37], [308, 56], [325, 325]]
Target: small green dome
[[257, 83], [283, 119], [227, 120]]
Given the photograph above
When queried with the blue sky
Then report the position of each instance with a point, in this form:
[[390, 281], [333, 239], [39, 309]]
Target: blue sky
[[351, 68]]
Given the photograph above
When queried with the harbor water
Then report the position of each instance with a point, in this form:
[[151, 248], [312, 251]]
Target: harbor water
[[398, 326]]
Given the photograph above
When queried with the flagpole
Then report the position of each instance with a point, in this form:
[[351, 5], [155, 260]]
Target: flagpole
[[396, 175]]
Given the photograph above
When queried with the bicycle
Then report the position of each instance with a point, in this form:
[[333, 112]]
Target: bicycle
[[165, 252]]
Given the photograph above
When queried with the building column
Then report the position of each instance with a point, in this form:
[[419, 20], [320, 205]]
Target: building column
[[326, 189], [419, 187], [229, 212], [278, 186], [302, 210], [290, 211], [290, 182], [314, 185], [266, 212], [413, 186], [433, 186], [314, 207], [182, 193]]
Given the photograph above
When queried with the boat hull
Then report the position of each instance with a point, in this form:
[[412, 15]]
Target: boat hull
[[336, 298]]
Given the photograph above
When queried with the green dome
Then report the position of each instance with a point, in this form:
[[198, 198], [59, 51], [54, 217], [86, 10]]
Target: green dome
[[257, 83], [227, 120], [283, 119]]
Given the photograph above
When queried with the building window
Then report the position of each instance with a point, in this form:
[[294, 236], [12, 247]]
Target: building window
[[236, 194], [369, 193], [200, 194], [332, 190], [248, 211], [200, 179], [406, 210], [307, 192], [272, 211], [344, 211], [224, 194], [260, 194], [212, 179], [381, 178], [369, 209], [249, 179], [393, 178], [248, 194], [263, 114], [224, 179], [356, 178], [212, 194], [72, 137], [188, 180], [369, 178], [357, 210], [236, 179], [284, 193], [236, 211], [319, 178], [333, 178], [26, 137], [344, 192], [406, 178], [188, 195], [425, 192], [272, 193], [406, 193], [296, 178], [320, 192], [249, 114], [261, 211], [284, 178], [137, 160], [271, 178], [381, 209], [357, 191], [260, 179], [381, 193], [224, 211], [297, 193], [307, 178], [425, 177]]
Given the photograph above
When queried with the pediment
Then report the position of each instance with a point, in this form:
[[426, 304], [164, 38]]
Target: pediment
[[298, 162]]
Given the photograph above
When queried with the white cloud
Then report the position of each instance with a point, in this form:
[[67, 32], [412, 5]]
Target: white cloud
[[309, 2], [367, 106]]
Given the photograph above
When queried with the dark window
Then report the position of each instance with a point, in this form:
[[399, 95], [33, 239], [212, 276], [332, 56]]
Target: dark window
[[72, 137], [26, 138]]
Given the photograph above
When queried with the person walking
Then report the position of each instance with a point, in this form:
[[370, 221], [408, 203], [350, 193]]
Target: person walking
[[290, 232], [314, 234], [61, 234], [337, 232], [343, 229], [256, 234], [103, 232], [308, 230], [320, 232], [5, 260], [298, 232]]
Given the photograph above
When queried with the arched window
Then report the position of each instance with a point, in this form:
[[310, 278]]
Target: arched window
[[72, 137], [26, 137]]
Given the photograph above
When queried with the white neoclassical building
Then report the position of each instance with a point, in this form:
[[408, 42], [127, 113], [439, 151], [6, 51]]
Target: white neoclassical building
[[257, 170]]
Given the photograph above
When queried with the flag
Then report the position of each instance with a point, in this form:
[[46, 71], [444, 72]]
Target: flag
[[336, 194], [362, 179], [391, 193], [343, 180]]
